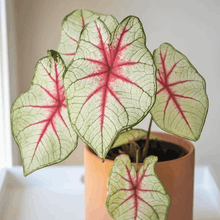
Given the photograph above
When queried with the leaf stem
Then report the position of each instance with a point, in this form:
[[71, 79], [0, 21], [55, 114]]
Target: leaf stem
[[137, 160], [145, 149]]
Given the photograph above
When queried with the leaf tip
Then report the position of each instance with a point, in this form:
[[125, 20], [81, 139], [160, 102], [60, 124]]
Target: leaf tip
[[54, 54], [25, 173], [151, 159]]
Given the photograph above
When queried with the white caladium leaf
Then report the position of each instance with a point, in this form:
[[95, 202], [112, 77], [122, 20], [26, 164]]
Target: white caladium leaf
[[132, 135], [72, 26], [39, 118], [136, 195], [111, 84], [181, 105]]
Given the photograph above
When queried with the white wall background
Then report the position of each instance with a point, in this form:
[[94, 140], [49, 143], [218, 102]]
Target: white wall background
[[191, 26]]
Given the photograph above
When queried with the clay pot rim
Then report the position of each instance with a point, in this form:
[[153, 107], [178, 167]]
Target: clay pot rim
[[190, 148]]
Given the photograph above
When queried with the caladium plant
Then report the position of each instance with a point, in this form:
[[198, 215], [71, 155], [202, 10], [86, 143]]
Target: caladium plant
[[100, 83]]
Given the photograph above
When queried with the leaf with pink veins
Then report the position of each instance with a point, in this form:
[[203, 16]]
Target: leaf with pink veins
[[72, 26], [136, 195], [39, 118], [181, 105], [111, 83], [132, 135]]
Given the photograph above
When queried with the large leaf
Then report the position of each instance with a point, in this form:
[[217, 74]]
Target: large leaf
[[132, 135], [181, 105], [136, 195], [111, 85], [72, 26], [39, 118]]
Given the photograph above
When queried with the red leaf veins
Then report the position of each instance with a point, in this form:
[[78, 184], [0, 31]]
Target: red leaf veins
[[54, 107], [135, 187], [163, 78], [109, 70]]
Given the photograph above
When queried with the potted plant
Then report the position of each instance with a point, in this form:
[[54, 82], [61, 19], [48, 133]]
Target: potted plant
[[100, 83]]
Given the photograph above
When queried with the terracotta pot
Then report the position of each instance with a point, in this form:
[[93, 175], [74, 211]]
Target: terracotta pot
[[176, 175]]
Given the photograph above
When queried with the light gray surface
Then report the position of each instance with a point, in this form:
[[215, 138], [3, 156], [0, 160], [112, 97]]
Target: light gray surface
[[56, 193]]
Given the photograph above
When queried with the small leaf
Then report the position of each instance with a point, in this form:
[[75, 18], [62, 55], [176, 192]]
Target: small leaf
[[40, 123], [131, 136], [72, 26], [110, 85], [136, 195], [181, 105]]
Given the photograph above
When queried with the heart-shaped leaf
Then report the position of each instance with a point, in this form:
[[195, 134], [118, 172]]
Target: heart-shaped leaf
[[181, 105], [136, 195], [39, 119], [111, 84], [72, 26], [132, 135]]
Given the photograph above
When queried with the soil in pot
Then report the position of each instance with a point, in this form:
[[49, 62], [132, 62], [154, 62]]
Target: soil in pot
[[165, 151]]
